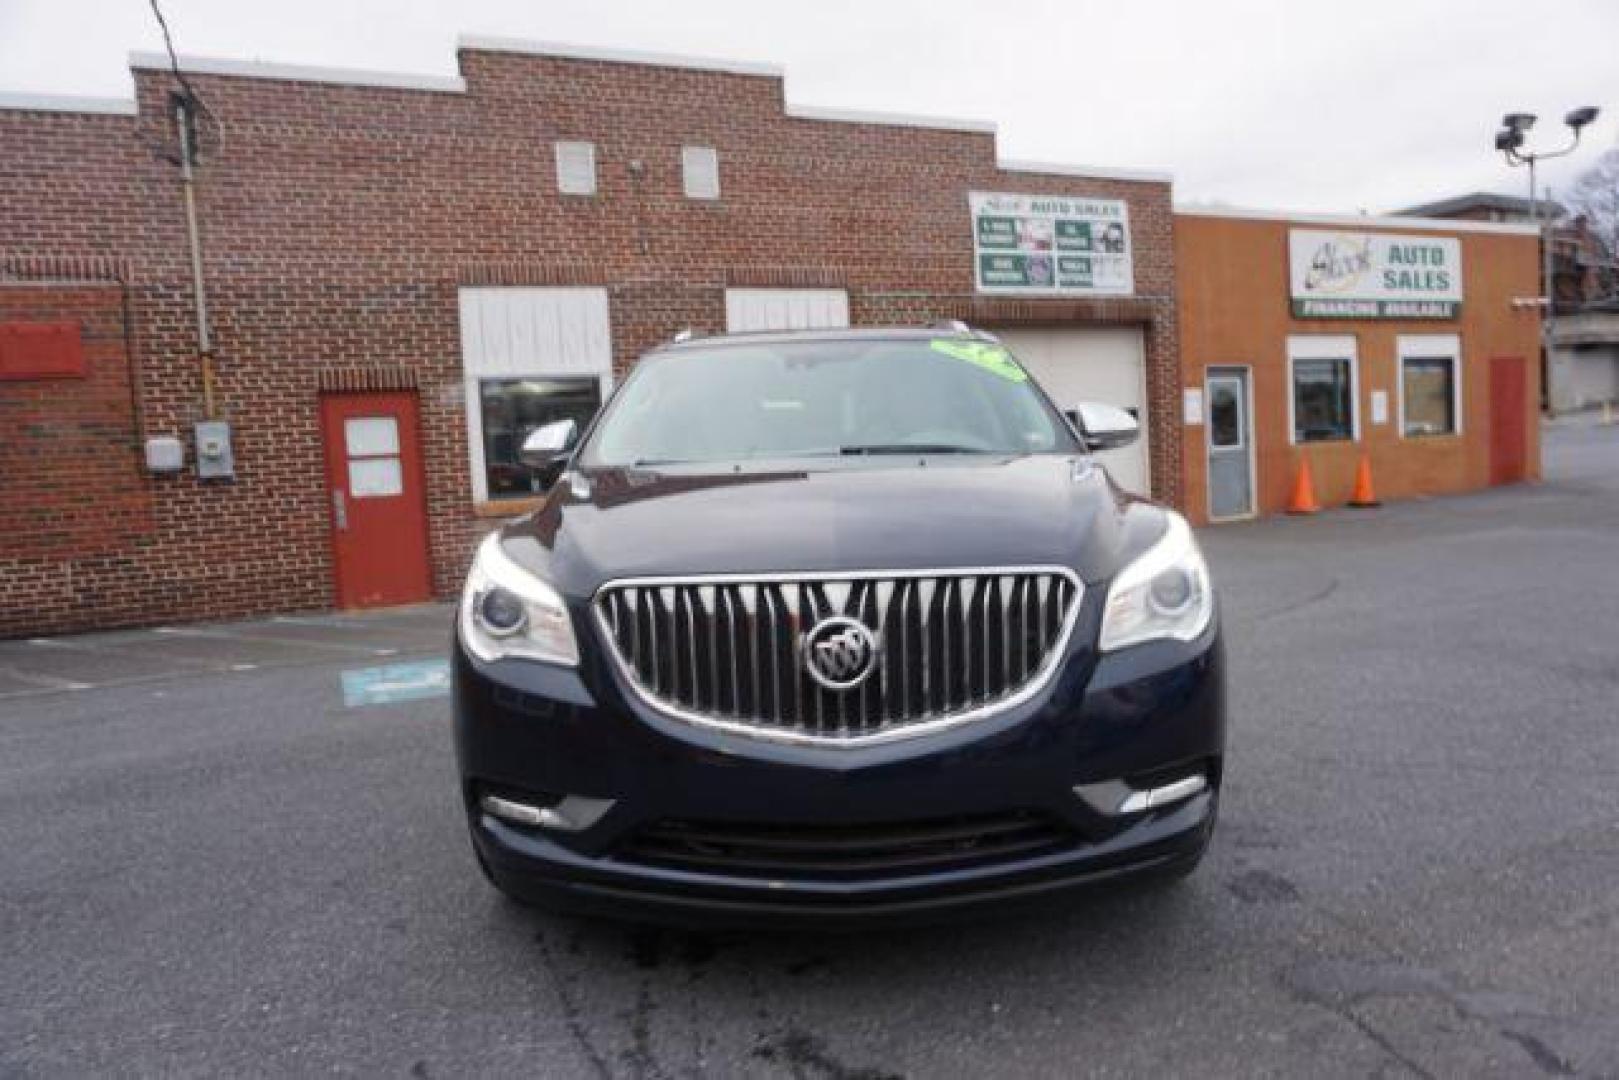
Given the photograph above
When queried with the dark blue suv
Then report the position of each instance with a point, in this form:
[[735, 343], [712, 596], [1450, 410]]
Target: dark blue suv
[[837, 625]]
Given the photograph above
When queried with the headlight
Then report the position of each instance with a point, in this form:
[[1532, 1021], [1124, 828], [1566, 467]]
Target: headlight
[[1165, 593], [507, 611]]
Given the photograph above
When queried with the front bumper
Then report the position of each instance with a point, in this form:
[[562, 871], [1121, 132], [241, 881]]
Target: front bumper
[[538, 734]]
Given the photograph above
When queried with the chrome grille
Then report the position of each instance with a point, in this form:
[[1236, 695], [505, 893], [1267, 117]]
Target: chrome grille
[[728, 651]]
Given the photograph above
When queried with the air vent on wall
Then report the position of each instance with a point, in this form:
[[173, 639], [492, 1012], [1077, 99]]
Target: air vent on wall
[[576, 168]]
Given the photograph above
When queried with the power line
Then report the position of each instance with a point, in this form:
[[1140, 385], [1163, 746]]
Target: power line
[[190, 92], [174, 60]]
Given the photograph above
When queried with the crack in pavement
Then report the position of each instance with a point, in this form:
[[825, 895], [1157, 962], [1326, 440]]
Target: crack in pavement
[[572, 1017], [1341, 986], [1295, 605]]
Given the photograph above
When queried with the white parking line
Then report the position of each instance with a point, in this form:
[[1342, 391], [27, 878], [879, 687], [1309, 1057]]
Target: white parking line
[[46, 682], [270, 639], [92, 648], [336, 621]]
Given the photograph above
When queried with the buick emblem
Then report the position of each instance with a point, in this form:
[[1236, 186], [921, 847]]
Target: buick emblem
[[840, 652]]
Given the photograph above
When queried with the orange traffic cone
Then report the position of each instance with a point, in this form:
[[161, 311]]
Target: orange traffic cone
[[1363, 497], [1303, 500]]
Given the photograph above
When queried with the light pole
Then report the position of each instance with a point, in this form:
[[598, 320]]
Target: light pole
[[1509, 140]]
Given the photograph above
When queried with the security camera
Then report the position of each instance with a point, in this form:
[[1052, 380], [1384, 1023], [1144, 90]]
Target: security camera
[[1519, 122], [1578, 118]]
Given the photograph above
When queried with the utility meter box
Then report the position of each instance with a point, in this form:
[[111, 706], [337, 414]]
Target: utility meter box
[[165, 454], [214, 458]]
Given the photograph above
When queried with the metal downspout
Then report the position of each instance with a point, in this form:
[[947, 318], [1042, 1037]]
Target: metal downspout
[[205, 347]]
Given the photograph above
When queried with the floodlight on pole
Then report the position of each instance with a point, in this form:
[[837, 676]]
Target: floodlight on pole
[[1578, 118], [1509, 141]]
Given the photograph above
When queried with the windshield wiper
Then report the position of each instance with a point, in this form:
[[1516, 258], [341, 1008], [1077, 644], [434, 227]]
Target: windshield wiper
[[908, 448]]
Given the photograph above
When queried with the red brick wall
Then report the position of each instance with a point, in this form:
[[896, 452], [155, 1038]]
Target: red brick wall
[[1235, 311], [339, 221], [73, 502]]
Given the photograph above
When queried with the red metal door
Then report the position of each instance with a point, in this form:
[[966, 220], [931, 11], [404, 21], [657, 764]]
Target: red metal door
[[375, 499], [1509, 417]]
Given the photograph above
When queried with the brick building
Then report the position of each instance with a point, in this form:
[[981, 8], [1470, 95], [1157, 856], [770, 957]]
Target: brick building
[[404, 273], [1581, 369], [1408, 343]]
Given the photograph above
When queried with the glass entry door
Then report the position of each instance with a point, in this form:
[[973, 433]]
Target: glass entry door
[[1231, 475]]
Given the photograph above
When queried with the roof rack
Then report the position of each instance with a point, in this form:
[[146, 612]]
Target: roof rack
[[956, 326]]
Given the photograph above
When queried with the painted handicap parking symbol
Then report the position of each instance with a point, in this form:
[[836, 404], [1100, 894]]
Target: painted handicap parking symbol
[[396, 682]]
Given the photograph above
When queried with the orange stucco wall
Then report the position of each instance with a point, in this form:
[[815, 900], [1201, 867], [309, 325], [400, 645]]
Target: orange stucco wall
[[1235, 311]]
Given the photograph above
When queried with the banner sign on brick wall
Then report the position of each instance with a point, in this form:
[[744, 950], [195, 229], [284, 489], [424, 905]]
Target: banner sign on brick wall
[[1344, 275], [1051, 245], [41, 350]]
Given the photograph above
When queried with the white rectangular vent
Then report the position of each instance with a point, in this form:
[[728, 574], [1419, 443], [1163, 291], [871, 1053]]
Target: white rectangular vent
[[786, 309], [700, 171], [576, 168]]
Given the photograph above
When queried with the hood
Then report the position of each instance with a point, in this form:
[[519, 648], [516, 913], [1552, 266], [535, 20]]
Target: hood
[[870, 514]]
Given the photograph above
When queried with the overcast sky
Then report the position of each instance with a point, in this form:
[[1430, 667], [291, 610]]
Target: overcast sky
[[1358, 104]]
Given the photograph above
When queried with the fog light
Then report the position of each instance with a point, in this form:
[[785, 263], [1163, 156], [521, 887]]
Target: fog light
[[573, 814], [1153, 798], [516, 812], [1115, 797]]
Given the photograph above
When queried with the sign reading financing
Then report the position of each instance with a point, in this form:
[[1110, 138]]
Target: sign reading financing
[[1339, 275], [1051, 244]]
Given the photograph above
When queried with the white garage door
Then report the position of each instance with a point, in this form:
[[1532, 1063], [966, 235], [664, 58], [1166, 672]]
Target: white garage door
[[1093, 365]]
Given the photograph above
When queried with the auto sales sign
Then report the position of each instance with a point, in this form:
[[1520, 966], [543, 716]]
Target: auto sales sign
[[1347, 275], [1051, 245]]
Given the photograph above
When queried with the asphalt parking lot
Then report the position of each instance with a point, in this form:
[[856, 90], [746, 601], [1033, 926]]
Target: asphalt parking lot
[[237, 849]]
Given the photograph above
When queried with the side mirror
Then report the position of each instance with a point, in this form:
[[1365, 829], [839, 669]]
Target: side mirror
[[549, 445], [1103, 426]]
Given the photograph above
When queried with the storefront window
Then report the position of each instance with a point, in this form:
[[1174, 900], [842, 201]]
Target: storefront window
[[1429, 388], [514, 407], [1323, 401]]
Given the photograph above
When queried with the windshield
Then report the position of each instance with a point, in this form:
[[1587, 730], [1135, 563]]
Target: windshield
[[739, 402]]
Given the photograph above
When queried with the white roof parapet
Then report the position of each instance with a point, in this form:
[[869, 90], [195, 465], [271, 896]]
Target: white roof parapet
[[258, 69], [1094, 172], [1365, 221], [69, 103], [479, 42], [888, 119], [485, 43]]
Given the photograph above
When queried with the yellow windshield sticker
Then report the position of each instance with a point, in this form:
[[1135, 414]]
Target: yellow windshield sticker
[[992, 358]]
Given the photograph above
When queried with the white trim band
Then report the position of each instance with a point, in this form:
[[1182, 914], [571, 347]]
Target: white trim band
[[1093, 172], [562, 50], [1360, 221], [888, 119], [257, 69], [68, 103]]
